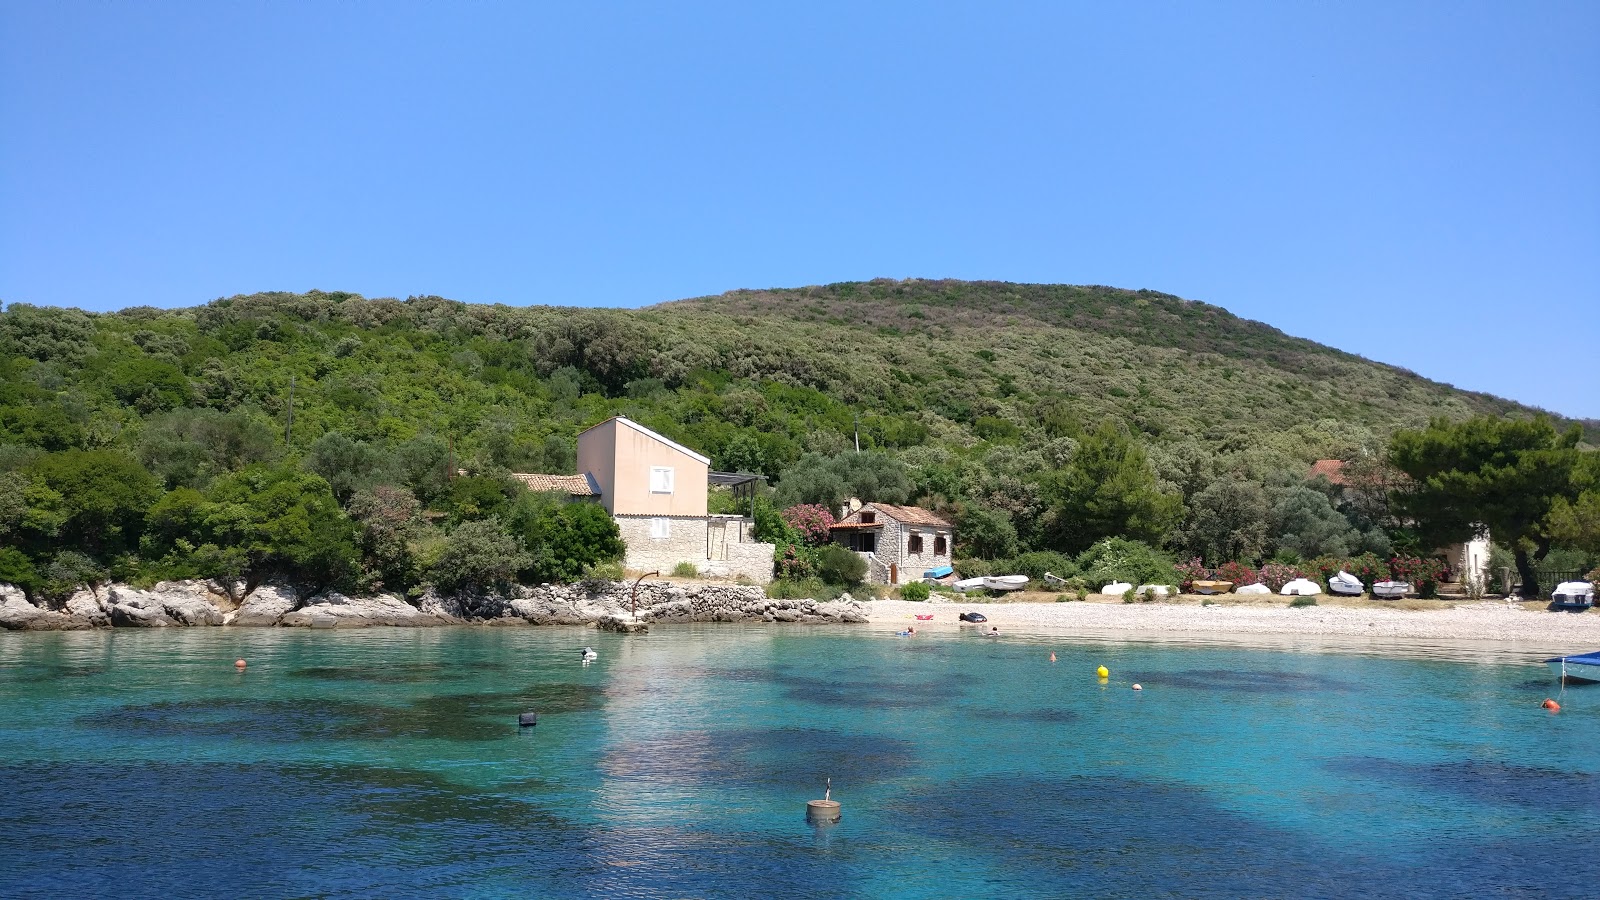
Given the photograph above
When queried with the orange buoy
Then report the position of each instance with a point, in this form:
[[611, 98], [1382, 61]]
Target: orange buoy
[[239, 664], [1550, 705]]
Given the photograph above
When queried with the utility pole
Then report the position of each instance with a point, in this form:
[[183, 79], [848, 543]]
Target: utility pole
[[288, 428]]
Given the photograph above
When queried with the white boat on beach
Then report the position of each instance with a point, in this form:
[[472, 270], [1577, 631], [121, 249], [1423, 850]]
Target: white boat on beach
[[1116, 588], [1345, 585], [1301, 587], [968, 584], [1391, 590], [1006, 582], [1573, 595]]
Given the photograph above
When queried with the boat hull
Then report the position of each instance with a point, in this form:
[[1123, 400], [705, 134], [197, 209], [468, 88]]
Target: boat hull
[[1006, 582], [1584, 668]]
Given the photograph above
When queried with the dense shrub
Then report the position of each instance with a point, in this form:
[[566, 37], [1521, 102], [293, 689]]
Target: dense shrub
[[1304, 600], [916, 590], [1238, 573], [1117, 559], [1276, 575], [837, 565], [1190, 572]]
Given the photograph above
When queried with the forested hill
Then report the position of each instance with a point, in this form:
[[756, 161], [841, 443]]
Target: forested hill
[[928, 370]]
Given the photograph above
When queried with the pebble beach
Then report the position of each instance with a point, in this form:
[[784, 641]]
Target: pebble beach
[[1483, 625]]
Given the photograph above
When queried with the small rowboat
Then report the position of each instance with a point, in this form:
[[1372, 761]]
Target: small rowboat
[[968, 584], [1006, 582], [1584, 667], [1212, 587], [1391, 590]]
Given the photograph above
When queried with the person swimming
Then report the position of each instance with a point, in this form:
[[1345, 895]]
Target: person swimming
[[994, 631]]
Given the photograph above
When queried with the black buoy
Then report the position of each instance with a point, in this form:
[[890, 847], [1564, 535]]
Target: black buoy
[[528, 718]]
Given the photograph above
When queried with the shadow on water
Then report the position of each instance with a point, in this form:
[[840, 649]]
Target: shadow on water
[[840, 689], [155, 829], [455, 717], [44, 673], [399, 673], [152, 825], [763, 757], [1479, 781], [1111, 835], [1040, 716], [1248, 681]]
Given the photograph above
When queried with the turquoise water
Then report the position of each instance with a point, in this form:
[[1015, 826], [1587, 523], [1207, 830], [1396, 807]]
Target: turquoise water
[[388, 763]]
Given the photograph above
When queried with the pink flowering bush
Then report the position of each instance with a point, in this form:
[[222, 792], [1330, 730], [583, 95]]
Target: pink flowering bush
[[813, 520], [1423, 574], [795, 563], [1190, 572], [1276, 575], [1238, 573]]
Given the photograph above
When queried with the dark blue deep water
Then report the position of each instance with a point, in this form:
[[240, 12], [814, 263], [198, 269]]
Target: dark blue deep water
[[388, 763]]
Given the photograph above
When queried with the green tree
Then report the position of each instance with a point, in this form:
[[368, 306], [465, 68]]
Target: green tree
[[565, 539], [103, 498], [986, 533], [837, 565], [479, 555], [347, 465], [1108, 489], [288, 524], [1504, 474], [17, 569], [1228, 521], [831, 480]]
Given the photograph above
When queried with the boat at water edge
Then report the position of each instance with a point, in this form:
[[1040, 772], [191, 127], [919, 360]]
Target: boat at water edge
[[1584, 667]]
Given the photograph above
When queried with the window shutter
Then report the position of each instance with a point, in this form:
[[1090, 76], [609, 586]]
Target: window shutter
[[660, 529], [660, 479]]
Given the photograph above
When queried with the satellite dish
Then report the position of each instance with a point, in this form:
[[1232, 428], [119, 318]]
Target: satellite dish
[[855, 504]]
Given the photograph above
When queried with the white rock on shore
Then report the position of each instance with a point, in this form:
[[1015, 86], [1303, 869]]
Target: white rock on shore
[[195, 603]]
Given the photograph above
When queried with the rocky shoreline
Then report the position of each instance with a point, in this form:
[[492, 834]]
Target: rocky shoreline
[[609, 605]]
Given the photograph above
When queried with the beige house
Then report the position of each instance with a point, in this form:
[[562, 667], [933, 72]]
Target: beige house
[[655, 489], [899, 543]]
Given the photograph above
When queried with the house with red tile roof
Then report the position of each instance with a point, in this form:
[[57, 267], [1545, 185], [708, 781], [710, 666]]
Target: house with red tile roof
[[899, 543]]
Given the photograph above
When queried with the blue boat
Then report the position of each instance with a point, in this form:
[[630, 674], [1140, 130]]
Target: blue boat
[[940, 572], [1584, 668]]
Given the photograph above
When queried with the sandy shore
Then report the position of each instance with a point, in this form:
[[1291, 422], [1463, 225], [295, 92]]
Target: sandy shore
[[1487, 625]]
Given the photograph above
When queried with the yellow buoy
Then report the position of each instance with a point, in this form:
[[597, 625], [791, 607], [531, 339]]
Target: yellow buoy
[[1103, 672]]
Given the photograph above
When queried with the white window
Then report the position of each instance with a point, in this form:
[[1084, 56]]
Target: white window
[[661, 529], [660, 479]]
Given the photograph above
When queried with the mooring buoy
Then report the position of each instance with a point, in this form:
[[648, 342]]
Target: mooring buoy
[[824, 811], [527, 718]]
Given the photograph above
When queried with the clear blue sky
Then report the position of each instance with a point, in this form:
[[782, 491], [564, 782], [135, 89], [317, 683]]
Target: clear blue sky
[[1415, 182]]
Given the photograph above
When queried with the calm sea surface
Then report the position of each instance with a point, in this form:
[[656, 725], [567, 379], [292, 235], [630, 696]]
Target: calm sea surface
[[388, 763]]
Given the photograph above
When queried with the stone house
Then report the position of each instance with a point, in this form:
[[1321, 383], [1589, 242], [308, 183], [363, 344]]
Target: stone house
[[899, 543], [655, 490]]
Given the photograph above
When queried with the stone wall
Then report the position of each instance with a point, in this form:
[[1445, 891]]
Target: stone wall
[[687, 540]]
